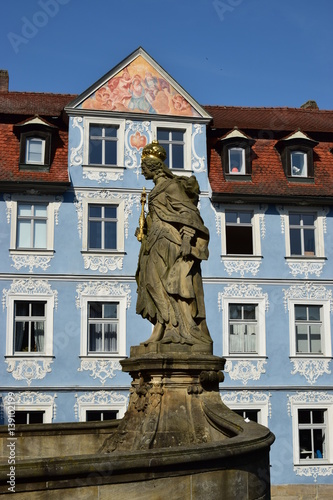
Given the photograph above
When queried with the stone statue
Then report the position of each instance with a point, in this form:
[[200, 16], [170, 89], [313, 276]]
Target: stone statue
[[174, 241]]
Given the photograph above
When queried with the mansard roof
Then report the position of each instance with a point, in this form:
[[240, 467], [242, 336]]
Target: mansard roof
[[268, 180], [22, 107], [141, 87]]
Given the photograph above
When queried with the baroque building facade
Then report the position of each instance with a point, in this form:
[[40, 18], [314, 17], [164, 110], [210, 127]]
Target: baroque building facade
[[71, 189]]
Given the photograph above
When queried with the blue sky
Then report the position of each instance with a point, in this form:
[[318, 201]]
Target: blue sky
[[225, 52]]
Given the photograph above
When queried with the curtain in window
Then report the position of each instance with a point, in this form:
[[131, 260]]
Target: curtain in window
[[38, 335], [110, 333], [19, 335], [95, 338]]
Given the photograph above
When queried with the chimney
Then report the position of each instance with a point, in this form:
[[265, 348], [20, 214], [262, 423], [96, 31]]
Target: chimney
[[310, 105], [4, 80]]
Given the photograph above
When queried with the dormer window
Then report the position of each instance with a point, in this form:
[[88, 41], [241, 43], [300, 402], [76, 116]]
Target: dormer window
[[236, 155], [296, 153], [35, 150], [35, 144]]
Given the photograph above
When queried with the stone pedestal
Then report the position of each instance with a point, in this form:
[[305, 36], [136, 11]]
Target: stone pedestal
[[176, 441]]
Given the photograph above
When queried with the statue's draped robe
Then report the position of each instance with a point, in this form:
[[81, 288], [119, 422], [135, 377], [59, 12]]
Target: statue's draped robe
[[170, 287]]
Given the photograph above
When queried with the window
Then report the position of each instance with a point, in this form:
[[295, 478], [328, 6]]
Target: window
[[248, 414], [173, 142], [296, 153], [308, 327], [302, 234], [101, 415], [243, 326], [30, 306], [103, 321], [309, 323], [244, 329], [103, 144], [29, 326], [312, 434], [299, 165], [31, 226], [29, 417], [35, 150], [312, 417], [239, 232], [102, 227], [103, 318], [236, 157], [176, 140]]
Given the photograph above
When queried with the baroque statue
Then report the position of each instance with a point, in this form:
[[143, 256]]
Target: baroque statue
[[174, 241]]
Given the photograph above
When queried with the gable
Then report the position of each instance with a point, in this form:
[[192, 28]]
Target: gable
[[139, 85]]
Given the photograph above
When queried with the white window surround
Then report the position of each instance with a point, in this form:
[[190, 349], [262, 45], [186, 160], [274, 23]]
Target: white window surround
[[103, 292], [258, 227], [187, 127], [320, 229], [261, 325], [250, 400], [30, 289], [298, 404], [100, 400], [30, 401], [120, 224], [48, 340], [325, 331], [52, 212], [87, 121]]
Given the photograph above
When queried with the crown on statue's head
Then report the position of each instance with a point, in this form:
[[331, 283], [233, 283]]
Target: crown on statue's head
[[154, 150]]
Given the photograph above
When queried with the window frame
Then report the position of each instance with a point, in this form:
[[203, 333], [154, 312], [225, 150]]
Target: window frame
[[104, 121], [47, 408], [235, 141], [325, 332], [318, 233], [102, 409], [44, 136], [260, 302], [49, 325], [120, 226], [256, 236], [121, 300], [301, 146], [50, 223], [295, 429], [102, 321], [187, 128]]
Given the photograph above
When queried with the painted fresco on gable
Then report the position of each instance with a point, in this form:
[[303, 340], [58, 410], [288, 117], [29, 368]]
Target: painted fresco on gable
[[139, 88]]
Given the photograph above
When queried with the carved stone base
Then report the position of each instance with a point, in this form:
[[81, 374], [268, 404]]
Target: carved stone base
[[176, 440]]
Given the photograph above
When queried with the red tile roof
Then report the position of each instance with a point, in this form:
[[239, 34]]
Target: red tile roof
[[34, 103], [268, 179], [14, 106], [271, 118]]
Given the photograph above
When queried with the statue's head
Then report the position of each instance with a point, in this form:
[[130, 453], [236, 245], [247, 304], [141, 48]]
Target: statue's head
[[155, 151], [152, 161]]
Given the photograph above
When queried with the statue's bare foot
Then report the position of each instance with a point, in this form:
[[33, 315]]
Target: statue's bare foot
[[156, 335]]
